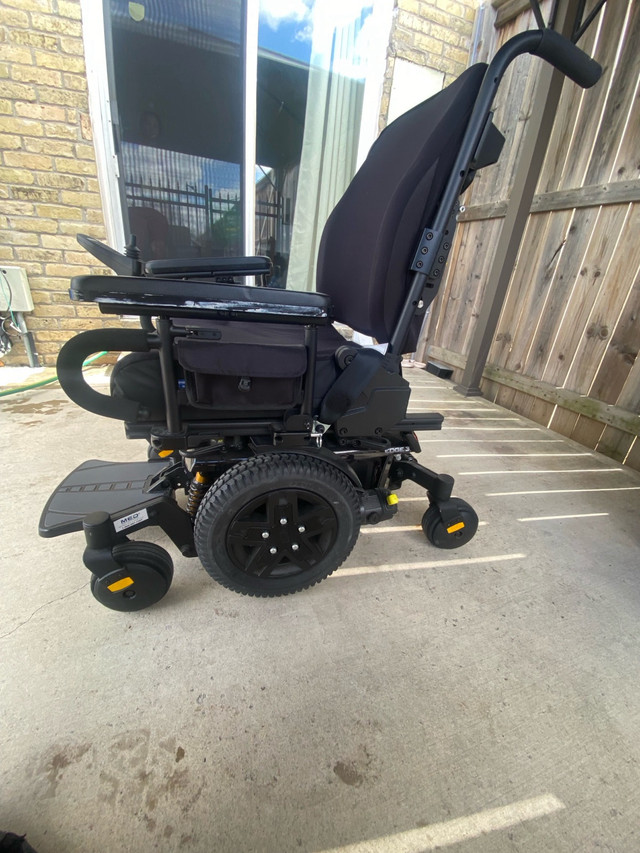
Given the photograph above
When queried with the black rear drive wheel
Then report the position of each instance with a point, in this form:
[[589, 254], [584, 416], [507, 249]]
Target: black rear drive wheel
[[276, 524]]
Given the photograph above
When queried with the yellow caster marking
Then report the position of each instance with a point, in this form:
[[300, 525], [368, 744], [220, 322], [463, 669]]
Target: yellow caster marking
[[455, 527], [116, 586]]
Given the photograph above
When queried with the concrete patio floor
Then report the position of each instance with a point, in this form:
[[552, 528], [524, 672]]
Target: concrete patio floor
[[486, 699]]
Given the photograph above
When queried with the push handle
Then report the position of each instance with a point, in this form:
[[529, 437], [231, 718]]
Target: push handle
[[71, 378], [567, 58]]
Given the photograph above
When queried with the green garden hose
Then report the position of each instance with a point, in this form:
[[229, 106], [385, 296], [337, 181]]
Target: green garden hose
[[30, 386]]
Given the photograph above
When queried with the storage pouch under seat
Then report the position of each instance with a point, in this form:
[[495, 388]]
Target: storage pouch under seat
[[241, 376]]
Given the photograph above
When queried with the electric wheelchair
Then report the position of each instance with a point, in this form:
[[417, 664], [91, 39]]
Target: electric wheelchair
[[283, 436]]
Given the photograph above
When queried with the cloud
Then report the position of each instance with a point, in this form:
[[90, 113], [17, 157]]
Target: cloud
[[276, 12]]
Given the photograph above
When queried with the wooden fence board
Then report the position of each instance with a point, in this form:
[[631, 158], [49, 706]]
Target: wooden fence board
[[607, 306], [622, 351], [540, 277], [587, 432], [563, 421], [587, 285], [618, 104], [615, 443], [595, 99], [568, 268]]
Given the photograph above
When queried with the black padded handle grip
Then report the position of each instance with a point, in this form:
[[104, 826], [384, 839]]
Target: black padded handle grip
[[568, 58], [69, 367]]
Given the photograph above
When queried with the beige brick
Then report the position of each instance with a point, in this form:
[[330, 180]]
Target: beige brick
[[76, 82], [6, 253], [457, 55], [412, 6], [79, 257], [55, 284], [30, 5], [447, 36], [26, 253], [84, 151], [18, 91], [41, 111], [58, 241], [56, 311], [85, 126], [60, 296], [86, 322], [23, 159], [40, 297], [72, 45], [38, 226], [63, 97], [13, 17], [6, 107], [4, 70], [19, 238], [49, 146], [69, 10], [53, 179], [17, 208], [32, 268], [9, 142], [55, 24], [61, 270], [15, 176], [75, 167], [58, 211], [58, 130], [33, 194], [21, 126], [87, 228], [33, 74], [81, 199], [93, 186], [95, 215], [33, 39], [15, 53], [60, 61]]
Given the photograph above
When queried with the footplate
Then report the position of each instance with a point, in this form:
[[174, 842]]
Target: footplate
[[122, 490]]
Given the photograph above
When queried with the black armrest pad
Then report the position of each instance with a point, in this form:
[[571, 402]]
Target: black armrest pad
[[254, 266], [175, 298]]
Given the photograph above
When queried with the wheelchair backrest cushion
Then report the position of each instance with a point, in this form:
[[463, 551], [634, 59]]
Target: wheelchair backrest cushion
[[371, 236]]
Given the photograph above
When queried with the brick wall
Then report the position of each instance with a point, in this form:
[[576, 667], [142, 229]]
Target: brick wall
[[433, 33], [48, 184]]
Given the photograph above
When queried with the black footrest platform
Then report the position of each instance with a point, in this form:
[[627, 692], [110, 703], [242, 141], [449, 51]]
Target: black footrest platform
[[119, 489]]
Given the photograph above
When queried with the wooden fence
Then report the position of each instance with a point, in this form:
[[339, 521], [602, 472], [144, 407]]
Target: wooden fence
[[565, 350]]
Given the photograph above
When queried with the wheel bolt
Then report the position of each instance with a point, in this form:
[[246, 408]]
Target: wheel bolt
[[294, 547], [301, 529], [273, 550], [283, 521], [265, 535]]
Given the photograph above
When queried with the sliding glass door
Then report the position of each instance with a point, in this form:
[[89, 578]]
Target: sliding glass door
[[237, 123]]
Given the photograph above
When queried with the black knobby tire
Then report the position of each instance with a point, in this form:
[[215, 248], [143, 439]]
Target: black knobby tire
[[144, 577], [276, 524], [435, 529]]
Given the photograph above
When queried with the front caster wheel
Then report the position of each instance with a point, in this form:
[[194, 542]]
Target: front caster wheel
[[453, 533], [276, 524], [144, 577]]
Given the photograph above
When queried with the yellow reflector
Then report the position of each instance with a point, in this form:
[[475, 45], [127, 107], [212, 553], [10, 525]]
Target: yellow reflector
[[118, 585], [392, 499], [455, 527], [164, 453]]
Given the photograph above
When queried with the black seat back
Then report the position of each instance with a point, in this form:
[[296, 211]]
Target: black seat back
[[370, 238]]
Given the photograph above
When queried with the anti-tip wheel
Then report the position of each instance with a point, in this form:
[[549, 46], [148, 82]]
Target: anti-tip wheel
[[144, 577], [450, 535]]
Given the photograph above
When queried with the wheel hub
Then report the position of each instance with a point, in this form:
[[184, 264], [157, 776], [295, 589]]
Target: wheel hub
[[282, 533]]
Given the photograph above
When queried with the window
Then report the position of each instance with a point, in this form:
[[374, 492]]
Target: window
[[236, 126]]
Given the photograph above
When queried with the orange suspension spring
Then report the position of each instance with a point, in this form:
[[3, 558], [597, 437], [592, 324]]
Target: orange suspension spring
[[197, 489]]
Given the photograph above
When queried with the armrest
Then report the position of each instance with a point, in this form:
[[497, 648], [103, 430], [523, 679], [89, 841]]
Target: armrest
[[162, 297], [199, 267]]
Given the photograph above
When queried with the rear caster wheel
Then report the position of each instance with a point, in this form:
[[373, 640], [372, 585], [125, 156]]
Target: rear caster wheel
[[144, 577], [277, 524], [453, 534]]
